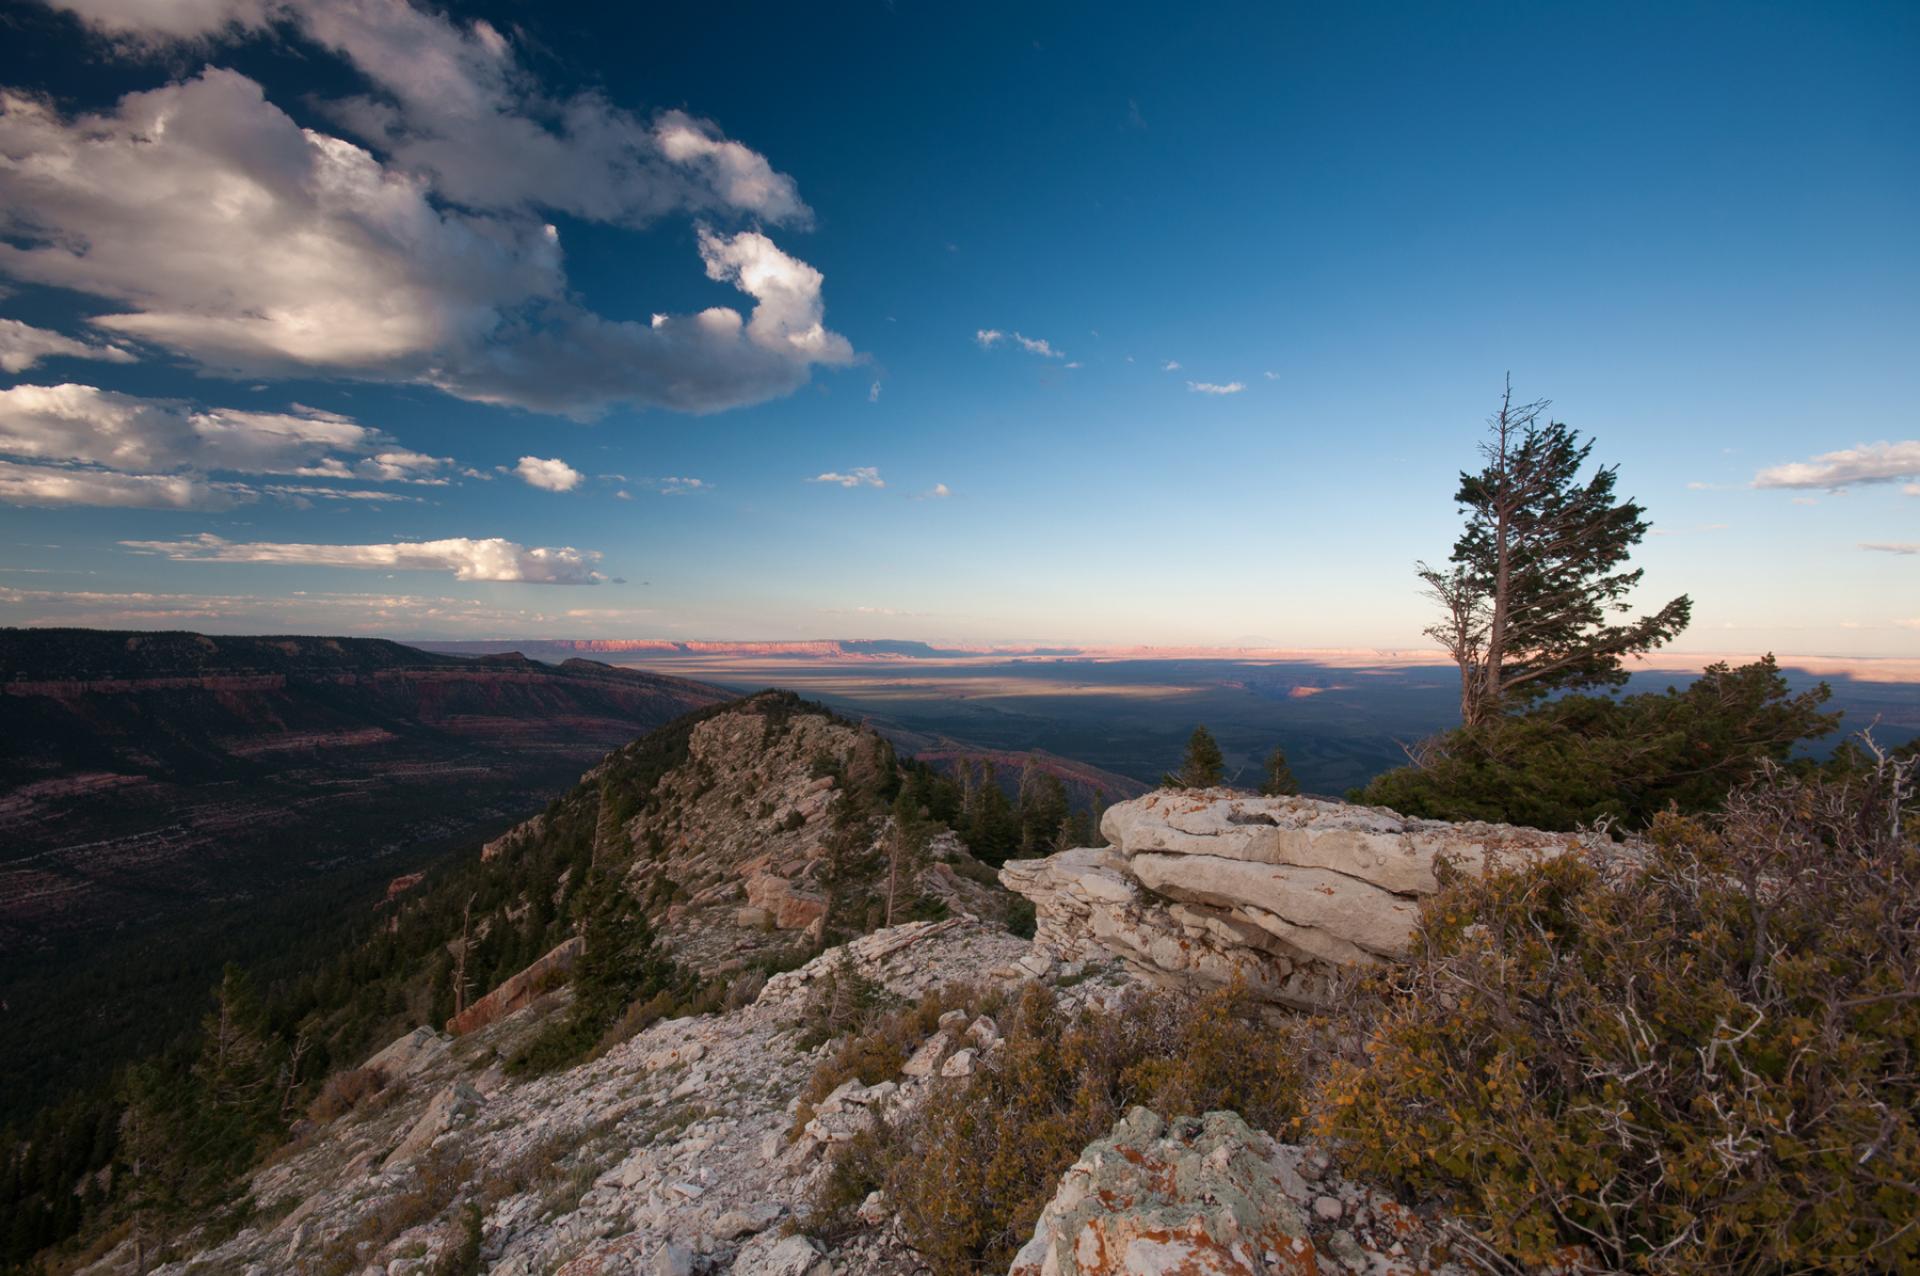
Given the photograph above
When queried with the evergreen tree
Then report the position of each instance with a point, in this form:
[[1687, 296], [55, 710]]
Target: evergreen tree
[[1203, 767], [1539, 569], [908, 836], [1280, 781], [238, 1065]]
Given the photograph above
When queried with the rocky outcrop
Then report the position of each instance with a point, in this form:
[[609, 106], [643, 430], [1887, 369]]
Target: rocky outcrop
[[671, 1153], [519, 990], [1281, 894], [408, 1054], [1209, 1196]]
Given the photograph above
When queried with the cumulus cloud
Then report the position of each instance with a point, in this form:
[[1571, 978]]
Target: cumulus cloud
[[680, 486], [145, 24], [53, 486], [321, 258], [1215, 387], [81, 424], [492, 559], [457, 105], [988, 338], [1865, 463], [860, 476], [938, 492], [551, 475], [1171, 365], [1892, 547], [22, 346]]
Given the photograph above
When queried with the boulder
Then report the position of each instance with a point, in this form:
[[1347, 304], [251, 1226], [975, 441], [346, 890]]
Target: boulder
[[769, 1255], [406, 1055], [1208, 1196], [1278, 894], [789, 907], [519, 990], [450, 1108]]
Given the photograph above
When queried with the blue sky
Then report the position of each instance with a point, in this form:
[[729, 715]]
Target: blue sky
[[1690, 226]]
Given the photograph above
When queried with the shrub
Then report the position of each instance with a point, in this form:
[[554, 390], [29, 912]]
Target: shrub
[[1002, 1140], [881, 1041], [1582, 759], [343, 1092], [1707, 1061]]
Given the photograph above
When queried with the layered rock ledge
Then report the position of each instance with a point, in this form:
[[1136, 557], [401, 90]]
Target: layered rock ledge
[[1210, 886]]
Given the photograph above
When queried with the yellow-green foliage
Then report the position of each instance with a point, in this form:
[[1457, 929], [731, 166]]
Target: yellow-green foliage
[[885, 1041], [1706, 1062], [1002, 1138]]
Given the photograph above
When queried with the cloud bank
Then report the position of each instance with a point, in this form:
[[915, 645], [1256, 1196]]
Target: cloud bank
[[90, 446], [418, 253], [493, 559], [22, 346], [1863, 463]]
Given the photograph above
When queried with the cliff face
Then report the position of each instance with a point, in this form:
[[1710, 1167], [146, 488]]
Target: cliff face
[[1210, 886], [141, 774], [761, 833]]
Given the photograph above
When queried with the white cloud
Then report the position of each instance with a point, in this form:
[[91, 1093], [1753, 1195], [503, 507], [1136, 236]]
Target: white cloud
[[1271, 376], [90, 426], [321, 258], [623, 495], [50, 486], [22, 346], [873, 393], [1892, 547], [860, 476], [551, 474], [1214, 387], [1171, 365], [493, 559], [456, 105], [299, 494], [384, 614], [679, 486], [938, 492], [988, 338], [150, 23], [1865, 463]]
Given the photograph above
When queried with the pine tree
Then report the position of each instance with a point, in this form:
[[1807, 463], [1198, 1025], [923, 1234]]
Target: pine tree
[[907, 841], [1280, 781], [1203, 766], [1539, 568]]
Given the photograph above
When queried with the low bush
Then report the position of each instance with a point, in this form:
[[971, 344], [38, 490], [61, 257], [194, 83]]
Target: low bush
[[1703, 1061], [880, 1041], [343, 1092], [1584, 759], [1004, 1136]]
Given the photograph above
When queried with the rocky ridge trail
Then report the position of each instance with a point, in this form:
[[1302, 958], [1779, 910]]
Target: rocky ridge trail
[[670, 1153], [674, 1154]]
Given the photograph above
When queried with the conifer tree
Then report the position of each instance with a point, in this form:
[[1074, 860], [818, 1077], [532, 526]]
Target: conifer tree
[[1279, 781], [1539, 569], [1203, 767]]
